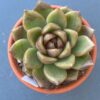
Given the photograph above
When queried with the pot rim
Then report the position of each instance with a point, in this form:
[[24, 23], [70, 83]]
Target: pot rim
[[67, 88]]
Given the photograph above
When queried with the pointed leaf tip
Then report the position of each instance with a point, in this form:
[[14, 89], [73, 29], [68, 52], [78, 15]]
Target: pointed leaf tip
[[33, 19], [73, 20], [19, 33], [43, 8], [57, 16], [83, 46]]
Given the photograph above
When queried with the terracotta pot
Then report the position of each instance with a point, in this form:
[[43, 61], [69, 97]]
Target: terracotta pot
[[71, 86]]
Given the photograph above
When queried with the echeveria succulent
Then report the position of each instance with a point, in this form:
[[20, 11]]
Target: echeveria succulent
[[53, 44]]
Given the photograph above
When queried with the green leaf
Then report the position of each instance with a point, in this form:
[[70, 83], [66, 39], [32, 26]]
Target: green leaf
[[33, 34], [43, 8], [19, 33], [33, 19], [86, 30], [72, 75], [65, 9], [54, 74], [83, 62], [50, 27], [66, 63], [46, 59], [31, 60], [83, 46], [67, 51], [40, 78], [72, 36], [19, 47], [57, 16], [73, 20]]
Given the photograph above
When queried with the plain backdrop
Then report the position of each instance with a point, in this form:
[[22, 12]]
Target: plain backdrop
[[10, 87]]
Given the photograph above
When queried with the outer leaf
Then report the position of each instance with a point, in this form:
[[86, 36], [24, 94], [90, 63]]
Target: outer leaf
[[66, 63], [72, 36], [85, 30], [50, 27], [40, 78], [43, 8], [67, 51], [57, 16], [54, 74], [65, 9], [83, 62], [46, 59], [73, 20], [33, 19], [30, 59], [19, 33], [33, 34], [72, 75], [83, 46], [19, 47]]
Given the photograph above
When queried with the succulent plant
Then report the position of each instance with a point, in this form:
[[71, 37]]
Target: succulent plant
[[53, 44]]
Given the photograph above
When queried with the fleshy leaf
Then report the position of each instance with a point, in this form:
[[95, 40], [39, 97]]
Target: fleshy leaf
[[59, 43], [43, 8], [50, 45], [33, 34], [48, 37], [19, 33], [40, 78], [72, 75], [50, 27], [83, 46], [40, 45], [57, 16], [66, 63], [67, 51], [19, 47], [31, 60], [62, 35], [65, 9], [27, 71], [86, 30], [83, 62], [54, 52], [72, 36], [33, 19], [73, 20], [54, 74], [46, 59]]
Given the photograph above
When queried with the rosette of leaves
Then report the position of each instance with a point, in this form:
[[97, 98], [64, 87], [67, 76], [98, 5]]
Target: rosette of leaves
[[53, 44]]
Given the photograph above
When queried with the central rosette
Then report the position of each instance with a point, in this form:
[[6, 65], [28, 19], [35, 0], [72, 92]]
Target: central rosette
[[50, 45]]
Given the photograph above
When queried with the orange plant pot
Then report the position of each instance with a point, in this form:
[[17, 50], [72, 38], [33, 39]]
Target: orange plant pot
[[69, 87]]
